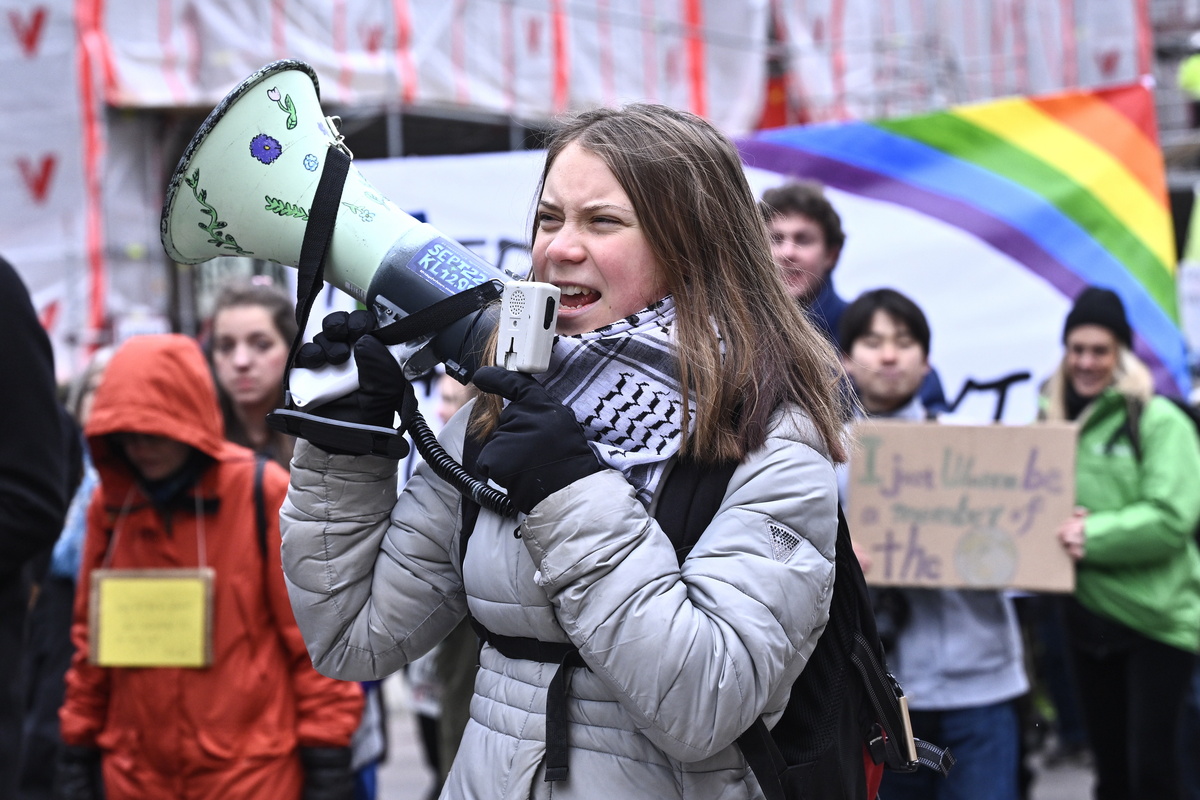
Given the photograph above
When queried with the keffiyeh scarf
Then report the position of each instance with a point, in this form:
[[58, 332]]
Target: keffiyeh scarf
[[622, 383]]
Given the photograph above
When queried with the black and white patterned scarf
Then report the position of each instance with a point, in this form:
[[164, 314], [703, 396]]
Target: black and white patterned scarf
[[622, 382]]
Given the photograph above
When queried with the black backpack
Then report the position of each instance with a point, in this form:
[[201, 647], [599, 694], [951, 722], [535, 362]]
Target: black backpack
[[846, 716]]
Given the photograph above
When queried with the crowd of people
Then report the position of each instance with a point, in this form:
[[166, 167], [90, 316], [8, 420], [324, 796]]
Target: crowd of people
[[570, 650]]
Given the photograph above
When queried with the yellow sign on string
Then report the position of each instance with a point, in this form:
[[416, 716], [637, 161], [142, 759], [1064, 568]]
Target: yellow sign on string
[[151, 617]]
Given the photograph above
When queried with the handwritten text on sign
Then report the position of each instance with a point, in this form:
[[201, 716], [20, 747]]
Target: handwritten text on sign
[[151, 617], [962, 506]]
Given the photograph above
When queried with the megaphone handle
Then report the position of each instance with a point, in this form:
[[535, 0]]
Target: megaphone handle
[[337, 436]]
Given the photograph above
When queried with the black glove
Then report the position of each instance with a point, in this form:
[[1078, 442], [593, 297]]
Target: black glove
[[339, 331], [382, 388], [77, 774], [327, 773], [538, 446]]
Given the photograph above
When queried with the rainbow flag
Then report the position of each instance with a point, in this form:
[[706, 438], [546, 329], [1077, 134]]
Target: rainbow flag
[[1070, 186]]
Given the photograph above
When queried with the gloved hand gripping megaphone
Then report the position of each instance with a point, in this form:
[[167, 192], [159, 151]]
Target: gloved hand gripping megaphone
[[268, 176]]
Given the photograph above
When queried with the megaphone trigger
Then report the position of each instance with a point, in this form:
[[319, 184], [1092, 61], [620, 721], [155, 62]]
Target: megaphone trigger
[[312, 387], [309, 387]]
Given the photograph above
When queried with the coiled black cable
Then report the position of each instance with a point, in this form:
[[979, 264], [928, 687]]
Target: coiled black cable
[[449, 470]]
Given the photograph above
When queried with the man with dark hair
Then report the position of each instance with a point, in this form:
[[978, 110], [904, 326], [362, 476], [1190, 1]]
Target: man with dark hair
[[807, 238], [885, 338], [957, 653], [806, 243]]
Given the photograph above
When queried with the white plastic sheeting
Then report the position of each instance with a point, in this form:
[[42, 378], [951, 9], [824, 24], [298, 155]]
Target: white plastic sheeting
[[51, 149], [528, 58], [866, 59]]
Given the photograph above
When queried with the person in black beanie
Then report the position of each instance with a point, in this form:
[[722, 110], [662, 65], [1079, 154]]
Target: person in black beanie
[[1133, 623], [1103, 309]]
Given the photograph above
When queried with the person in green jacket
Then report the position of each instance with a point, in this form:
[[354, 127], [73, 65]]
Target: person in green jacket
[[1134, 620]]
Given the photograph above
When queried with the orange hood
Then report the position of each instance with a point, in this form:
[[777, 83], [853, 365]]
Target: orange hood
[[156, 384]]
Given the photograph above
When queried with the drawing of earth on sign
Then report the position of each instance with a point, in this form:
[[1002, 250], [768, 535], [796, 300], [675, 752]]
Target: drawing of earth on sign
[[986, 557]]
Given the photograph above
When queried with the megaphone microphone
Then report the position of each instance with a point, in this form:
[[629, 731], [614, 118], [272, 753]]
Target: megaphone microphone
[[269, 176]]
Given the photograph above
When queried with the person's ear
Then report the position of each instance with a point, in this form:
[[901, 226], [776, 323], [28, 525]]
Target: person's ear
[[833, 256]]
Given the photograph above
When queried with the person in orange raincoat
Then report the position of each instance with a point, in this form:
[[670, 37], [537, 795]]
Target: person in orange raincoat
[[257, 720]]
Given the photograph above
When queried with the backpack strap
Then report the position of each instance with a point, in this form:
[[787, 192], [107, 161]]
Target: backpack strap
[[1130, 427], [566, 656], [764, 759], [260, 503], [519, 647], [690, 497]]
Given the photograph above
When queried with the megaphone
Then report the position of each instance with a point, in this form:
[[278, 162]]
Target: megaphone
[[245, 186], [254, 181]]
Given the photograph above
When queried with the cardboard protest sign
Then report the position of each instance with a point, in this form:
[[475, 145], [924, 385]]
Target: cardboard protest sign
[[962, 506]]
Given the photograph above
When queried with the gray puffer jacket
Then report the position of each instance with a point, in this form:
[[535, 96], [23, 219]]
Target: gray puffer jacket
[[682, 660]]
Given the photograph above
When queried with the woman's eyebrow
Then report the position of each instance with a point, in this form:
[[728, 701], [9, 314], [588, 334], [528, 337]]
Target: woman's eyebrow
[[600, 205], [597, 205]]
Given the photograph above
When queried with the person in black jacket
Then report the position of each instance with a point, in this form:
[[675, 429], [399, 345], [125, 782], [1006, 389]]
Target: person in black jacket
[[33, 488], [48, 649]]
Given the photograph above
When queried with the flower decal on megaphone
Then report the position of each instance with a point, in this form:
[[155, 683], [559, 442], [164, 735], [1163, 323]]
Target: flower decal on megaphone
[[285, 105], [265, 148]]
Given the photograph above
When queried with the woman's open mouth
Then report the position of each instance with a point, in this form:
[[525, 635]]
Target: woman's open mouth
[[577, 297]]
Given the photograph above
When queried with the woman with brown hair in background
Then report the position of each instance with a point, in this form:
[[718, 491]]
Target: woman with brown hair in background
[[253, 326]]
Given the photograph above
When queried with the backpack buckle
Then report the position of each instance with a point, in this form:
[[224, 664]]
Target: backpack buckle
[[877, 744]]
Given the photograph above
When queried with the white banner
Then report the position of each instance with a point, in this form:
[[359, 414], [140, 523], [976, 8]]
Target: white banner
[[485, 201]]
